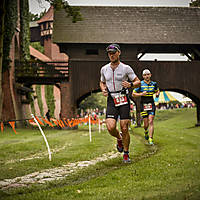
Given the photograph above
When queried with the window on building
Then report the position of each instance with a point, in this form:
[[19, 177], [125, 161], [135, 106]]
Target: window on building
[[92, 52], [51, 25]]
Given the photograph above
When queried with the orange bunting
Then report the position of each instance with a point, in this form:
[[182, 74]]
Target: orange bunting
[[48, 122], [65, 122], [76, 122], [55, 123], [1, 126], [63, 125], [13, 126], [39, 121], [58, 121], [69, 122], [31, 120]]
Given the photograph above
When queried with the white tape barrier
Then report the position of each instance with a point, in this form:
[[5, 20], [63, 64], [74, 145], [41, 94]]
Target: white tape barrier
[[90, 134], [45, 139], [99, 125]]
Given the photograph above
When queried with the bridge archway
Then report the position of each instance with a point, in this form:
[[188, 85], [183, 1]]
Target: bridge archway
[[178, 76], [140, 30]]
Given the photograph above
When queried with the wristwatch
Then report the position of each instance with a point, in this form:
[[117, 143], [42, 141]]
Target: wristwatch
[[132, 84]]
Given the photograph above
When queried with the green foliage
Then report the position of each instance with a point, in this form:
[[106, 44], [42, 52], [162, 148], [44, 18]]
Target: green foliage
[[95, 100], [32, 107], [73, 12], [24, 30], [10, 23], [37, 46], [195, 3], [39, 98], [36, 17], [49, 96]]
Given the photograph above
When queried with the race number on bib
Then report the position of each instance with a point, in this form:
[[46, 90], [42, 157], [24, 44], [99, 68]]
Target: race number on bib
[[147, 106], [120, 100]]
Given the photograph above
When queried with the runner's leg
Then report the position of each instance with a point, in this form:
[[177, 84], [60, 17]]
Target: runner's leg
[[111, 126], [146, 123], [124, 123], [151, 125]]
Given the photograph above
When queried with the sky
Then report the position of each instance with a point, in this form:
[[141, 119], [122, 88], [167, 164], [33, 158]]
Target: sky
[[36, 7]]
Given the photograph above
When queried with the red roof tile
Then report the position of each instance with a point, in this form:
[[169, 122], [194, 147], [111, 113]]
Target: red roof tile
[[47, 17]]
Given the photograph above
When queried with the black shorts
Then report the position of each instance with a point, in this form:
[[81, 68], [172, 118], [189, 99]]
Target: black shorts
[[114, 112], [145, 114]]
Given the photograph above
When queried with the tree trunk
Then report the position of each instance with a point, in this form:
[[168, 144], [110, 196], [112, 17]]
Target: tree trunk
[[2, 15]]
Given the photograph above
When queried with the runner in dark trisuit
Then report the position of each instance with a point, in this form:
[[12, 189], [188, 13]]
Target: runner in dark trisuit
[[148, 108]]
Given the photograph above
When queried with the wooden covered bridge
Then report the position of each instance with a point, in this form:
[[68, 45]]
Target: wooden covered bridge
[[138, 30]]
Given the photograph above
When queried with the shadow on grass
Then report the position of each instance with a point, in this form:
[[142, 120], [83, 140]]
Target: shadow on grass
[[83, 175], [193, 127]]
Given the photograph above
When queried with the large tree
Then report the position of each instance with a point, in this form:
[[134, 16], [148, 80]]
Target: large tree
[[2, 15], [8, 9], [8, 14]]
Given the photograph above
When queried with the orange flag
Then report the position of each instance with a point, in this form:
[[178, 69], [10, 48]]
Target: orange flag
[[1, 126], [49, 123], [70, 123], [55, 123], [39, 121], [63, 125], [77, 122], [13, 126], [59, 123], [31, 120], [65, 122]]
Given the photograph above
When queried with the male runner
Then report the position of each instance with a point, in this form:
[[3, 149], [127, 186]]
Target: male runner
[[148, 108], [114, 84]]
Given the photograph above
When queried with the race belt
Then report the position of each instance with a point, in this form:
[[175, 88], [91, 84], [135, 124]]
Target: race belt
[[147, 106], [120, 99]]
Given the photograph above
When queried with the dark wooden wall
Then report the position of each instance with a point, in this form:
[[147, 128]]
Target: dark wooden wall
[[171, 75], [178, 76]]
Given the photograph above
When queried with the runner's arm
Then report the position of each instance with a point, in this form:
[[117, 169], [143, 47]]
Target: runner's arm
[[136, 82], [133, 84], [135, 94], [103, 88], [157, 91]]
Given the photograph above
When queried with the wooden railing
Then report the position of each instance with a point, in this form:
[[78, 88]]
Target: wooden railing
[[41, 73]]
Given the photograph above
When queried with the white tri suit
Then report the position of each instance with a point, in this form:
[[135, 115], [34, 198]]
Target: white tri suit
[[118, 103]]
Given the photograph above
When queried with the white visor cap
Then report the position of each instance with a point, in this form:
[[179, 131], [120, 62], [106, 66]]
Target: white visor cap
[[146, 71]]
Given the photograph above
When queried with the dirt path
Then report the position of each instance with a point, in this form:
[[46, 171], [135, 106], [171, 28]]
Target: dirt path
[[54, 173]]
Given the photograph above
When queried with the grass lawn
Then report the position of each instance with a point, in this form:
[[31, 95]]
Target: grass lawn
[[168, 170]]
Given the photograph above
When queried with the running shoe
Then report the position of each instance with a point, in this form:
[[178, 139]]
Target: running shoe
[[146, 135], [120, 147], [151, 141], [126, 158]]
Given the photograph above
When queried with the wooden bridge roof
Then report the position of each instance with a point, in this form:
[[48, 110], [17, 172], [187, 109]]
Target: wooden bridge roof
[[129, 25]]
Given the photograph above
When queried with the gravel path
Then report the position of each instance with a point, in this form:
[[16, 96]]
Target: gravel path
[[54, 173]]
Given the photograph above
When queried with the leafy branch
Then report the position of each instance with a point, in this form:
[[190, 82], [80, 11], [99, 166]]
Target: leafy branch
[[73, 12]]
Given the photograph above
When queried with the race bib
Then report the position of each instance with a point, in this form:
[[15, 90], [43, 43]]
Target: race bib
[[147, 106], [120, 99]]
